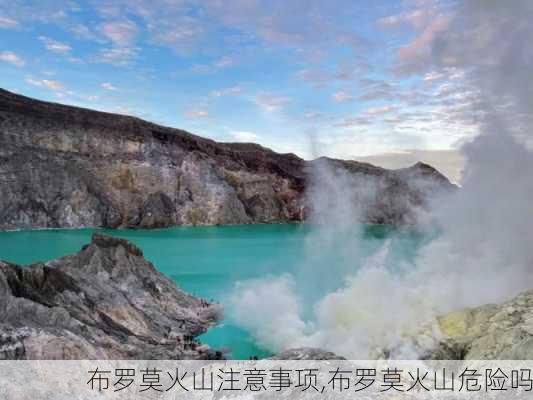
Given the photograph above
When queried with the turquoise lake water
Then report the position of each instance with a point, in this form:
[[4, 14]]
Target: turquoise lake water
[[208, 261]]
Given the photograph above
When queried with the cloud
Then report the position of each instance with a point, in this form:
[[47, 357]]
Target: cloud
[[108, 86], [168, 23], [75, 60], [417, 18], [224, 62], [343, 70], [433, 76], [12, 58], [380, 110], [316, 77], [314, 116], [8, 23], [243, 136], [189, 26], [377, 90], [54, 46], [83, 32], [288, 23], [369, 116], [53, 85], [271, 102], [196, 113], [118, 56], [214, 66], [182, 33], [426, 21], [353, 122], [27, 12], [420, 47], [229, 91], [341, 97], [121, 32], [351, 68]]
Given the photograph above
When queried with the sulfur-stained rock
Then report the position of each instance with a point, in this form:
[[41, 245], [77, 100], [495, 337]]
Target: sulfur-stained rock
[[502, 331]]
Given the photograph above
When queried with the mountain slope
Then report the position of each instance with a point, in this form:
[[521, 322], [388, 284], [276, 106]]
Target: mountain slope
[[63, 166]]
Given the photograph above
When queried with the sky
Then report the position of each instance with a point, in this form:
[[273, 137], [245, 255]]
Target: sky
[[345, 79]]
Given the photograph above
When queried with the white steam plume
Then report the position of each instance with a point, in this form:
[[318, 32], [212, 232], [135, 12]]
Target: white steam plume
[[484, 252]]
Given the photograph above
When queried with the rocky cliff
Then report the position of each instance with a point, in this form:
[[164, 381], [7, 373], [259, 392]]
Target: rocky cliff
[[105, 302], [64, 166]]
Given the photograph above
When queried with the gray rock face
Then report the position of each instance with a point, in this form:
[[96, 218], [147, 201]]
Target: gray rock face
[[105, 302], [63, 166], [503, 331]]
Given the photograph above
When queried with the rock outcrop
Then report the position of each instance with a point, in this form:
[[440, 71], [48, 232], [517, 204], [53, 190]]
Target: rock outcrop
[[503, 331], [63, 166], [105, 302]]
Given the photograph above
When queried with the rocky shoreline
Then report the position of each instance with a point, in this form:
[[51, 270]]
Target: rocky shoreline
[[104, 302], [67, 167]]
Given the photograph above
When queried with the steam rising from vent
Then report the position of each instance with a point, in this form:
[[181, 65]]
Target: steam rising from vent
[[484, 252]]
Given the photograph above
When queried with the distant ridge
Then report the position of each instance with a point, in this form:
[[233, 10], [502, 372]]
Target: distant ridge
[[65, 166]]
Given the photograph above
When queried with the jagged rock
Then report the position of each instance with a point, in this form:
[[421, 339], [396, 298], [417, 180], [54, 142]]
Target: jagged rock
[[503, 331], [105, 302], [307, 353], [64, 166]]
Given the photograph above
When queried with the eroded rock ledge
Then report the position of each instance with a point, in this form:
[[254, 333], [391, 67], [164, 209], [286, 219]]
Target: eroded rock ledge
[[105, 302], [63, 166]]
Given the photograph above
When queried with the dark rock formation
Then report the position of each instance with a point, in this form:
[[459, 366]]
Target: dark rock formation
[[105, 302], [64, 166]]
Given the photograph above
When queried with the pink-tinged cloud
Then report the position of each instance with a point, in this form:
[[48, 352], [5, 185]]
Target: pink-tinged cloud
[[417, 19], [8, 23], [118, 56], [121, 33], [108, 86], [54, 46], [12, 58], [270, 102], [196, 113], [379, 110], [341, 97], [53, 85], [229, 91], [420, 46]]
